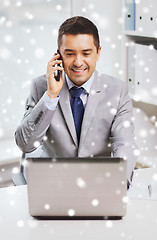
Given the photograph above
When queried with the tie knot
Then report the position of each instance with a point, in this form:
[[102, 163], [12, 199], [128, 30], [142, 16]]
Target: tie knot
[[76, 92]]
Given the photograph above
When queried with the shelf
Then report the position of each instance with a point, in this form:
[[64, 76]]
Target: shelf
[[142, 100], [140, 35]]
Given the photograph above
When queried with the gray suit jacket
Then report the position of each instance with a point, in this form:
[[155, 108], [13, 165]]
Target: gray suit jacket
[[107, 125]]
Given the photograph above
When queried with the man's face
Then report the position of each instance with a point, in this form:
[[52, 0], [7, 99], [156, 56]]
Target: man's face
[[79, 56]]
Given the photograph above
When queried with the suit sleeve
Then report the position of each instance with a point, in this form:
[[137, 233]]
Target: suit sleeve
[[122, 133], [36, 120]]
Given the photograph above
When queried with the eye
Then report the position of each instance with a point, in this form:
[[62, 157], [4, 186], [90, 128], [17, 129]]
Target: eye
[[70, 54], [86, 54]]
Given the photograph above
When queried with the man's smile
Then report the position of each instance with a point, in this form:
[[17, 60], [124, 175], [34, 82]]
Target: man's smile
[[78, 71]]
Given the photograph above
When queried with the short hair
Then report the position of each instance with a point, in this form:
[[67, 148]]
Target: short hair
[[78, 25]]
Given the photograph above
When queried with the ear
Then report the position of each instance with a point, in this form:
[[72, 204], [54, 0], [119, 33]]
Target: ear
[[98, 53]]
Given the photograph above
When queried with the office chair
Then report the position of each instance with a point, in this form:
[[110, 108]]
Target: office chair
[[18, 178]]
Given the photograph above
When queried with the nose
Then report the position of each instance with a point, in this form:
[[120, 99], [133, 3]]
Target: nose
[[78, 61]]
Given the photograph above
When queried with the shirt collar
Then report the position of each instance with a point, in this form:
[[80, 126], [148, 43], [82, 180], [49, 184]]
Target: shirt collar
[[87, 85]]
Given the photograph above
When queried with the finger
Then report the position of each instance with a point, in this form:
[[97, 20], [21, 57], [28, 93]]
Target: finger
[[56, 68], [56, 56], [53, 70], [53, 63], [52, 66]]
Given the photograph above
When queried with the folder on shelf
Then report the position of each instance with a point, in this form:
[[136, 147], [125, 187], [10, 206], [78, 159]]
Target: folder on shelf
[[146, 17], [130, 15], [152, 18], [135, 73], [142, 72], [141, 16], [149, 82]]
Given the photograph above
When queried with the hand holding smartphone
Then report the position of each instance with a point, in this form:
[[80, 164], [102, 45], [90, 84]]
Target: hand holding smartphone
[[54, 76], [57, 74]]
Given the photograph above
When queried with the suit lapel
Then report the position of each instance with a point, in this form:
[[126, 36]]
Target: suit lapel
[[67, 113], [91, 106]]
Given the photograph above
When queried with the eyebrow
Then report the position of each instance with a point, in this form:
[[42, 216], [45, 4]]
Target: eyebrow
[[68, 50], [88, 50], [84, 50]]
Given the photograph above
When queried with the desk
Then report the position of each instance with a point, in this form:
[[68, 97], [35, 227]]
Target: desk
[[140, 223]]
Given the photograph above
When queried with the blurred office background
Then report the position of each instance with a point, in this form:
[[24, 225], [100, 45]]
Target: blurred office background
[[28, 31]]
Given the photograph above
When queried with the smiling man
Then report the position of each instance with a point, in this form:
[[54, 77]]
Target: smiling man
[[84, 113]]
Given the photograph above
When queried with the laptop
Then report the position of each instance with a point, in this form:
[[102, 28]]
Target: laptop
[[76, 187]]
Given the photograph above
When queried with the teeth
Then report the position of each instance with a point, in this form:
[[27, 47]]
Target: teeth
[[78, 70]]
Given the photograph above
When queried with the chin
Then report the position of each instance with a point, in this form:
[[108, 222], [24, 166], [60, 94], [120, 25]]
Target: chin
[[79, 82]]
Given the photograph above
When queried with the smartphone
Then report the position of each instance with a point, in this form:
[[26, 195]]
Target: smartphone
[[57, 74]]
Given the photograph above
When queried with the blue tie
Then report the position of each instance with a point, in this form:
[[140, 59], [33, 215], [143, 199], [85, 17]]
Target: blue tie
[[77, 109]]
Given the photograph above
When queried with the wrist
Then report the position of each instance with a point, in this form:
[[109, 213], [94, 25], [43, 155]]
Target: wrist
[[51, 95]]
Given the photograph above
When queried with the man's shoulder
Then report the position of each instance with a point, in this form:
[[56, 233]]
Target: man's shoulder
[[40, 80], [110, 82], [108, 79], [39, 86]]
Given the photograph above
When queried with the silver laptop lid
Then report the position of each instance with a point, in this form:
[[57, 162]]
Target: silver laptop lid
[[76, 186]]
